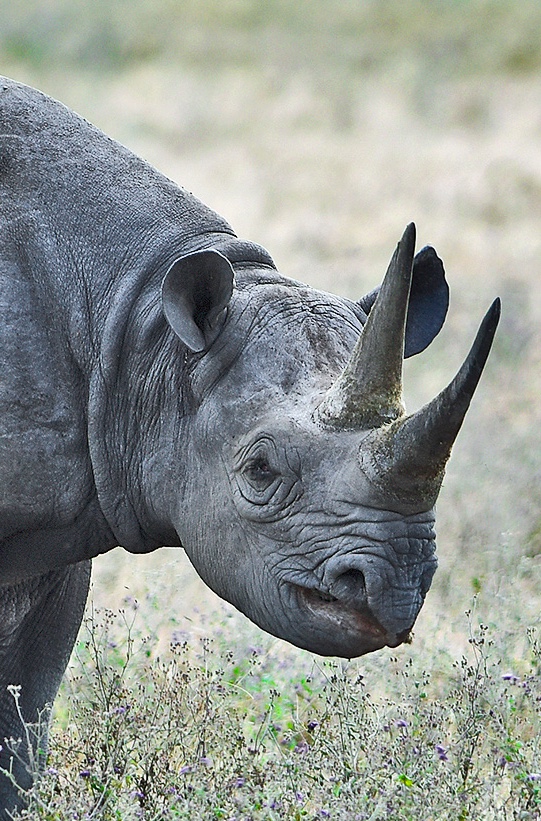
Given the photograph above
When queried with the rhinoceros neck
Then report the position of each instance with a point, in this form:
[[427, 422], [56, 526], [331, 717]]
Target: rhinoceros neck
[[90, 231]]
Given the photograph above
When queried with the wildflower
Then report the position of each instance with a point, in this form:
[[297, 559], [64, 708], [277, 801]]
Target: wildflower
[[311, 726], [442, 752], [186, 769], [119, 711], [240, 782], [511, 677], [534, 776], [51, 770], [85, 774], [401, 722], [207, 761]]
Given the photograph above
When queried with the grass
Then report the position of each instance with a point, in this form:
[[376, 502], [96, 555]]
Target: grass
[[320, 129], [218, 727], [454, 35]]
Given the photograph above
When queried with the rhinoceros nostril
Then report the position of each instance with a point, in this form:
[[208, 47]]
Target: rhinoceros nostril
[[350, 584]]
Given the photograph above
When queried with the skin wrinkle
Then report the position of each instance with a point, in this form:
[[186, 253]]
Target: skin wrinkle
[[286, 318], [388, 550], [309, 545]]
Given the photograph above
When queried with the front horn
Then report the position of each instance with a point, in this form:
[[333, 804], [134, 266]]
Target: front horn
[[368, 392]]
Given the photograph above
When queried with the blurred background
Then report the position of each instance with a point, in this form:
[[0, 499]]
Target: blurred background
[[319, 128]]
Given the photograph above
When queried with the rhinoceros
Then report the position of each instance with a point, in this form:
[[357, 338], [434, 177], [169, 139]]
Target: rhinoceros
[[163, 384]]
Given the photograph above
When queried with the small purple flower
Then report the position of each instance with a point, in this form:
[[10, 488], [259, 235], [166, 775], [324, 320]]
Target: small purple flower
[[311, 726], [52, 771], [300, 797], [534, 776], [119, 711], [401, 722], [206, 761], [85, 773], [442, 752], [302, 747], [240, 782], [188, 768], [511, 677]]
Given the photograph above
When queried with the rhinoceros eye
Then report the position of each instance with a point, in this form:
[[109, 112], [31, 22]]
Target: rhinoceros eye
[[259, 473], [264, 481]]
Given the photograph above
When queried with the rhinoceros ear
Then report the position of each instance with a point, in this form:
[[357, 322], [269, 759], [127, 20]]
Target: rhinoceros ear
[[428, 302], [195, 293]]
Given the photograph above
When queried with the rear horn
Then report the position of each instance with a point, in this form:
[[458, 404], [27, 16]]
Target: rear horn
[[368, 392]]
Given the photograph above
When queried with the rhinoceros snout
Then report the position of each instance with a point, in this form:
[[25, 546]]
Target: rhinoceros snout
[[367, 587]]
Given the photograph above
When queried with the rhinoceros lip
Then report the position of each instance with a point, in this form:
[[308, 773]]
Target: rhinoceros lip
[[341, 615]]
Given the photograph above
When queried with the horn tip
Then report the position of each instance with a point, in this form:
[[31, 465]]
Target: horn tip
[[409, 236], [495, 309], [492, 317]]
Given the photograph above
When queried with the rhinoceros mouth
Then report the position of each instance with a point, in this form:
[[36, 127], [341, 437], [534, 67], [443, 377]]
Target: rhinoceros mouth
[[345, 625]]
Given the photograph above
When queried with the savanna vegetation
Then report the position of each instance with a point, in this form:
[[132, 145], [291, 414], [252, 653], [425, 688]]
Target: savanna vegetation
[[319, 129]]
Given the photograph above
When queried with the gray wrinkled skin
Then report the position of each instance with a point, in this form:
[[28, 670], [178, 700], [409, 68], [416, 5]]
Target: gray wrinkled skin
[[190, 419]]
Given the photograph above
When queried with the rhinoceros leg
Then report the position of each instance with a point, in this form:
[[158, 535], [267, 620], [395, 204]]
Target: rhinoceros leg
[[39, 620]]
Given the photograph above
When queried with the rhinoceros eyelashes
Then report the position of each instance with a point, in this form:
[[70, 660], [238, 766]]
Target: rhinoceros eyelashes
[[405, 455]]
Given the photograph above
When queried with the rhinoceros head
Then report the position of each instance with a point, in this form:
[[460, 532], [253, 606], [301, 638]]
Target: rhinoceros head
[[309, 497]]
